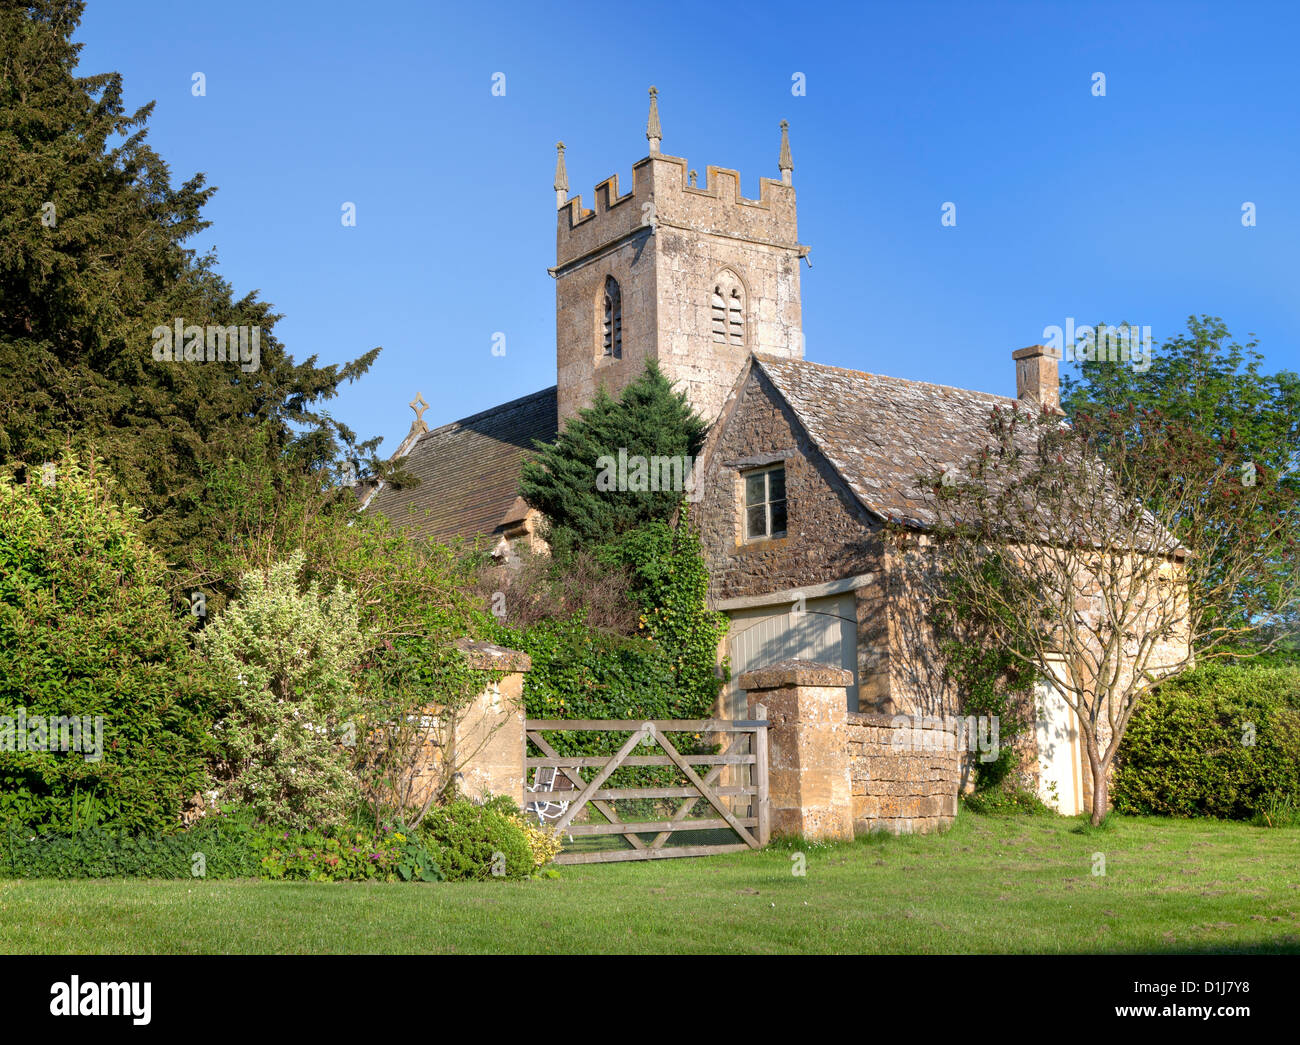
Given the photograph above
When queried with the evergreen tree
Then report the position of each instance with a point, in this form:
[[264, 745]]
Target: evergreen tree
[[576, 480], [92, 259]]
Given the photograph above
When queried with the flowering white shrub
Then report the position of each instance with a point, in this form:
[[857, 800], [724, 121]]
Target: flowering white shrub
[[291, 657]]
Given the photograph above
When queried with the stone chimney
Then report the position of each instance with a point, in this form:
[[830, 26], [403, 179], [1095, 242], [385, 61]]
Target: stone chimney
[[1038, 383]]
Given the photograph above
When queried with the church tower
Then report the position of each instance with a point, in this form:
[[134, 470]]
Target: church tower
[[693, 276]]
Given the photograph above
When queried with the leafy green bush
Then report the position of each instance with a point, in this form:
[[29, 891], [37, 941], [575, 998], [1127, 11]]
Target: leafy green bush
[[218, 847], [230, 845], [580, 673], [414, 603], [670, 582], [469, 841], [544, 841], [1221, 741], [87, 630], [341, 854], [414, 861], [459, 842], [1005, 800]]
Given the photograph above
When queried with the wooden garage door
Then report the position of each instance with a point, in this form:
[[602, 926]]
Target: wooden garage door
[[827, 632]]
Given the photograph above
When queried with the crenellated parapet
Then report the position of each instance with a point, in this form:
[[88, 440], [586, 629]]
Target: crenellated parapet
[[662, 195]]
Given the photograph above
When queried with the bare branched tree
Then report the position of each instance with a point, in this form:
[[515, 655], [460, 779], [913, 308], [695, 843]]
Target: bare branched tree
[[1113, 551]]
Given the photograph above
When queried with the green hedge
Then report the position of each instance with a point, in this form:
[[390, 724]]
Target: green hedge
[[228, 850], [1221, 741], [455, 842], [232, 845], [578, 672], [88, 631], [475, 842]]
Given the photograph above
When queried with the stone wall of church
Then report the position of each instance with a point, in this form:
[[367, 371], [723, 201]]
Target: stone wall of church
[[581, 365], [689, 267], [711, 230]]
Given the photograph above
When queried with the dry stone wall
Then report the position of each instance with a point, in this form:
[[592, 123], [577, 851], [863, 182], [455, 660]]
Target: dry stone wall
[[905, 778]]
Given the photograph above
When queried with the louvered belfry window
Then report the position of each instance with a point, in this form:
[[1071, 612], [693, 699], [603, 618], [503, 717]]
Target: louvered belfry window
[[719, 316], [735, 318], [728, 313], [612, 326]]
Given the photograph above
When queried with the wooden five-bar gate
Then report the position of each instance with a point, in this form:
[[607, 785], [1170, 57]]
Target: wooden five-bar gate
[[744, 753]]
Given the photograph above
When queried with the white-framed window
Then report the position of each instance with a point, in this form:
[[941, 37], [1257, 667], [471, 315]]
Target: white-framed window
[[612, 324], [765, 514]]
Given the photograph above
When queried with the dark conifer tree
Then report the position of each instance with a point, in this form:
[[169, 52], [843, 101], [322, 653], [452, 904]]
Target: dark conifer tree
[[92, 259], [649, 419]]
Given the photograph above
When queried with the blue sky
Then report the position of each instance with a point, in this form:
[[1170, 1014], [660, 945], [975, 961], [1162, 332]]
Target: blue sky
[[1122, 208]]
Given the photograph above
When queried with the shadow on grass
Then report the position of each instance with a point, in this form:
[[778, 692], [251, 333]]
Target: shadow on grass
[[1286, 945]]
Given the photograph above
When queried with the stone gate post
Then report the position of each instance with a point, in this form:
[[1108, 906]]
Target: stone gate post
[[809, 780], [492, 729]]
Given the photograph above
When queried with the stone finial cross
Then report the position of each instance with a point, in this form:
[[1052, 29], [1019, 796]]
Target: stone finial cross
[[419, 406]]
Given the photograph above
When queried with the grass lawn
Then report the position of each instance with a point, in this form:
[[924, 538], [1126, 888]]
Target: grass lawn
[[991, 884]]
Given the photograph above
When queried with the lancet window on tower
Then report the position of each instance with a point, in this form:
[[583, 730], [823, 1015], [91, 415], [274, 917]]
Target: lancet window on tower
[[612, 326], [728, 321]]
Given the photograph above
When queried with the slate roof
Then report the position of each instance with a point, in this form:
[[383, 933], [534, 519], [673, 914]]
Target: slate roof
[[880, 432], [469, 470]]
